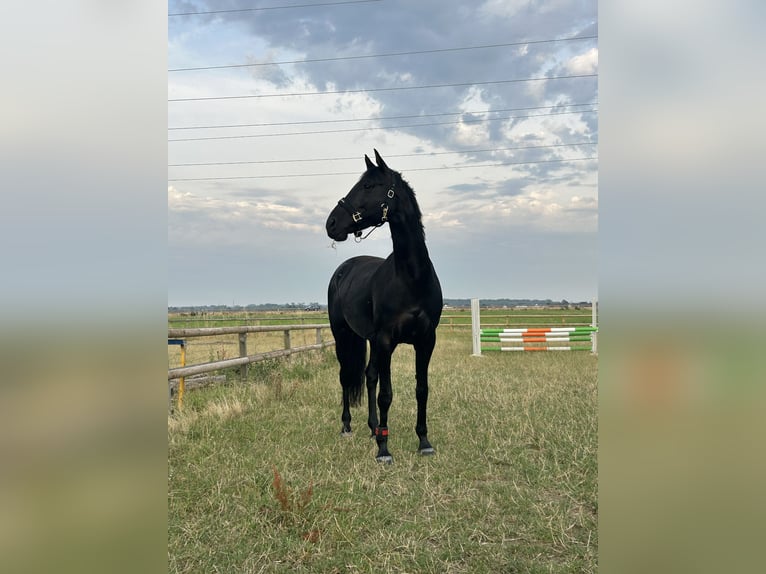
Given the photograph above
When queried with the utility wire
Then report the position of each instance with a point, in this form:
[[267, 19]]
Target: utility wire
[[429, 124], [273, 8], [384, 55], [427, 154], [345, 120], [502, 164], [391, 89]]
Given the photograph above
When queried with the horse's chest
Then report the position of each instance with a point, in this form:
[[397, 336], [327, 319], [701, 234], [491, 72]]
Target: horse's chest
[[408, 326]]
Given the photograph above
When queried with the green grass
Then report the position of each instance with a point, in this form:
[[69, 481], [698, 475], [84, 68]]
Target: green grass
[[260, 480], [453, 317], [235, 318]]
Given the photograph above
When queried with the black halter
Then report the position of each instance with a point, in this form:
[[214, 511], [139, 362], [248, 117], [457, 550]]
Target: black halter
[[356, 214]]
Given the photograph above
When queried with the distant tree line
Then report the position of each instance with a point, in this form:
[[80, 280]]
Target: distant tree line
[[314, 306], [516, 303]]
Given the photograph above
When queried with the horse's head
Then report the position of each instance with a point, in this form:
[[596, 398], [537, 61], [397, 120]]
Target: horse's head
[[366, 205]]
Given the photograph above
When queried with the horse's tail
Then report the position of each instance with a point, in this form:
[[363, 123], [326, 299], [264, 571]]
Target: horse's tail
[[350, 348], [352, 356]]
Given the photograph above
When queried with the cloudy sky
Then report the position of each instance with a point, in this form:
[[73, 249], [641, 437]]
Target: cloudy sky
[[489, 110]]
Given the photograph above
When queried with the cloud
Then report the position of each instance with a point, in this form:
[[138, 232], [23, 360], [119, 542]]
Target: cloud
[[505, 9], [252, 215], [586, 63], [511, 187], [176, 199], [275, 75], [337, 32], [442, 219], [467, 187], [586, 204], [233, 219]]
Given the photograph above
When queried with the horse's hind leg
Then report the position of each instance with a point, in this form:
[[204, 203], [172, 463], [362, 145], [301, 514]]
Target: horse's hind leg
[[350, 350], [345, 416]]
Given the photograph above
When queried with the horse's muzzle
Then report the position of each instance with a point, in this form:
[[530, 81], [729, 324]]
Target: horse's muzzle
[[332, 229]]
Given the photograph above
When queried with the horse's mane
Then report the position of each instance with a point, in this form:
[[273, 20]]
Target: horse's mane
[[400, 185], [411, 195]]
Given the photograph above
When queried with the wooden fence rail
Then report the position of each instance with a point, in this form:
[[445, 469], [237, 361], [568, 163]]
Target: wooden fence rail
[[240, 361], [244, 359], [208, 331]]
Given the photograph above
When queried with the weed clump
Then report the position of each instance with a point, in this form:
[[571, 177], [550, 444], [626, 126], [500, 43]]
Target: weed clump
[[288, 501]]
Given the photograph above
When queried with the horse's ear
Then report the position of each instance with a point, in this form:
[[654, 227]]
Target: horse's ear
[[381, 164], [370, 165]]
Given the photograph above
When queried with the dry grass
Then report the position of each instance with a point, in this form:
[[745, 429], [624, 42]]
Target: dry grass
[[512, 487]]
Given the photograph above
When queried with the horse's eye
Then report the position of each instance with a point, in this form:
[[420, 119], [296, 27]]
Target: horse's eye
[[368, 185]]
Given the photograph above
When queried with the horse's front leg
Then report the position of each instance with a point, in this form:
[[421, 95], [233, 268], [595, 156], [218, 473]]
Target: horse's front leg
[[371, 374], [423, 352], [385, 397]]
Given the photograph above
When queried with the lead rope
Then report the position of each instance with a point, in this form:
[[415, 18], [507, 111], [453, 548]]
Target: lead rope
[[358, 238]]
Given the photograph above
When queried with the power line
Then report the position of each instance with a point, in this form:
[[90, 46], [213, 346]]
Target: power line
[[384, 55], [427, 154], [502, 164], [273, 8], [428, 124], [391, 89], [345, 120]]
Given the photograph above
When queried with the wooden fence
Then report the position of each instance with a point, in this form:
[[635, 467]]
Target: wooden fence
[[454, 319], [180, 335]]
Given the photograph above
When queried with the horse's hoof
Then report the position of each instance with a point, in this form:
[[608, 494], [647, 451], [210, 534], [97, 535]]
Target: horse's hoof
[[346, 434], [388, 459], [427, 451]]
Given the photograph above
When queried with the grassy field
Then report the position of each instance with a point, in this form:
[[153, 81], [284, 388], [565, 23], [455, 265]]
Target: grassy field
[[458, 317], [259, 479]]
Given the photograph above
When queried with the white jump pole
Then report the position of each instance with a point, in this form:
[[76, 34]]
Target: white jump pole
[[594, 323], [475, 328]]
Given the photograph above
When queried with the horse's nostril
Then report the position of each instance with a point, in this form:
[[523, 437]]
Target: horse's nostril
[[331, 223]]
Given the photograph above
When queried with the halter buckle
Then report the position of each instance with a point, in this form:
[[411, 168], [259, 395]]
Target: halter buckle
[[355, 215], [390, 193]]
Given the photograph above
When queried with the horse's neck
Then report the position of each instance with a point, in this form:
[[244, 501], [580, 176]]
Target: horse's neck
[[410, 252], [408, 242]]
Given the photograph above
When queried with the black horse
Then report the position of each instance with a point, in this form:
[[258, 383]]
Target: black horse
[[383, 301]]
